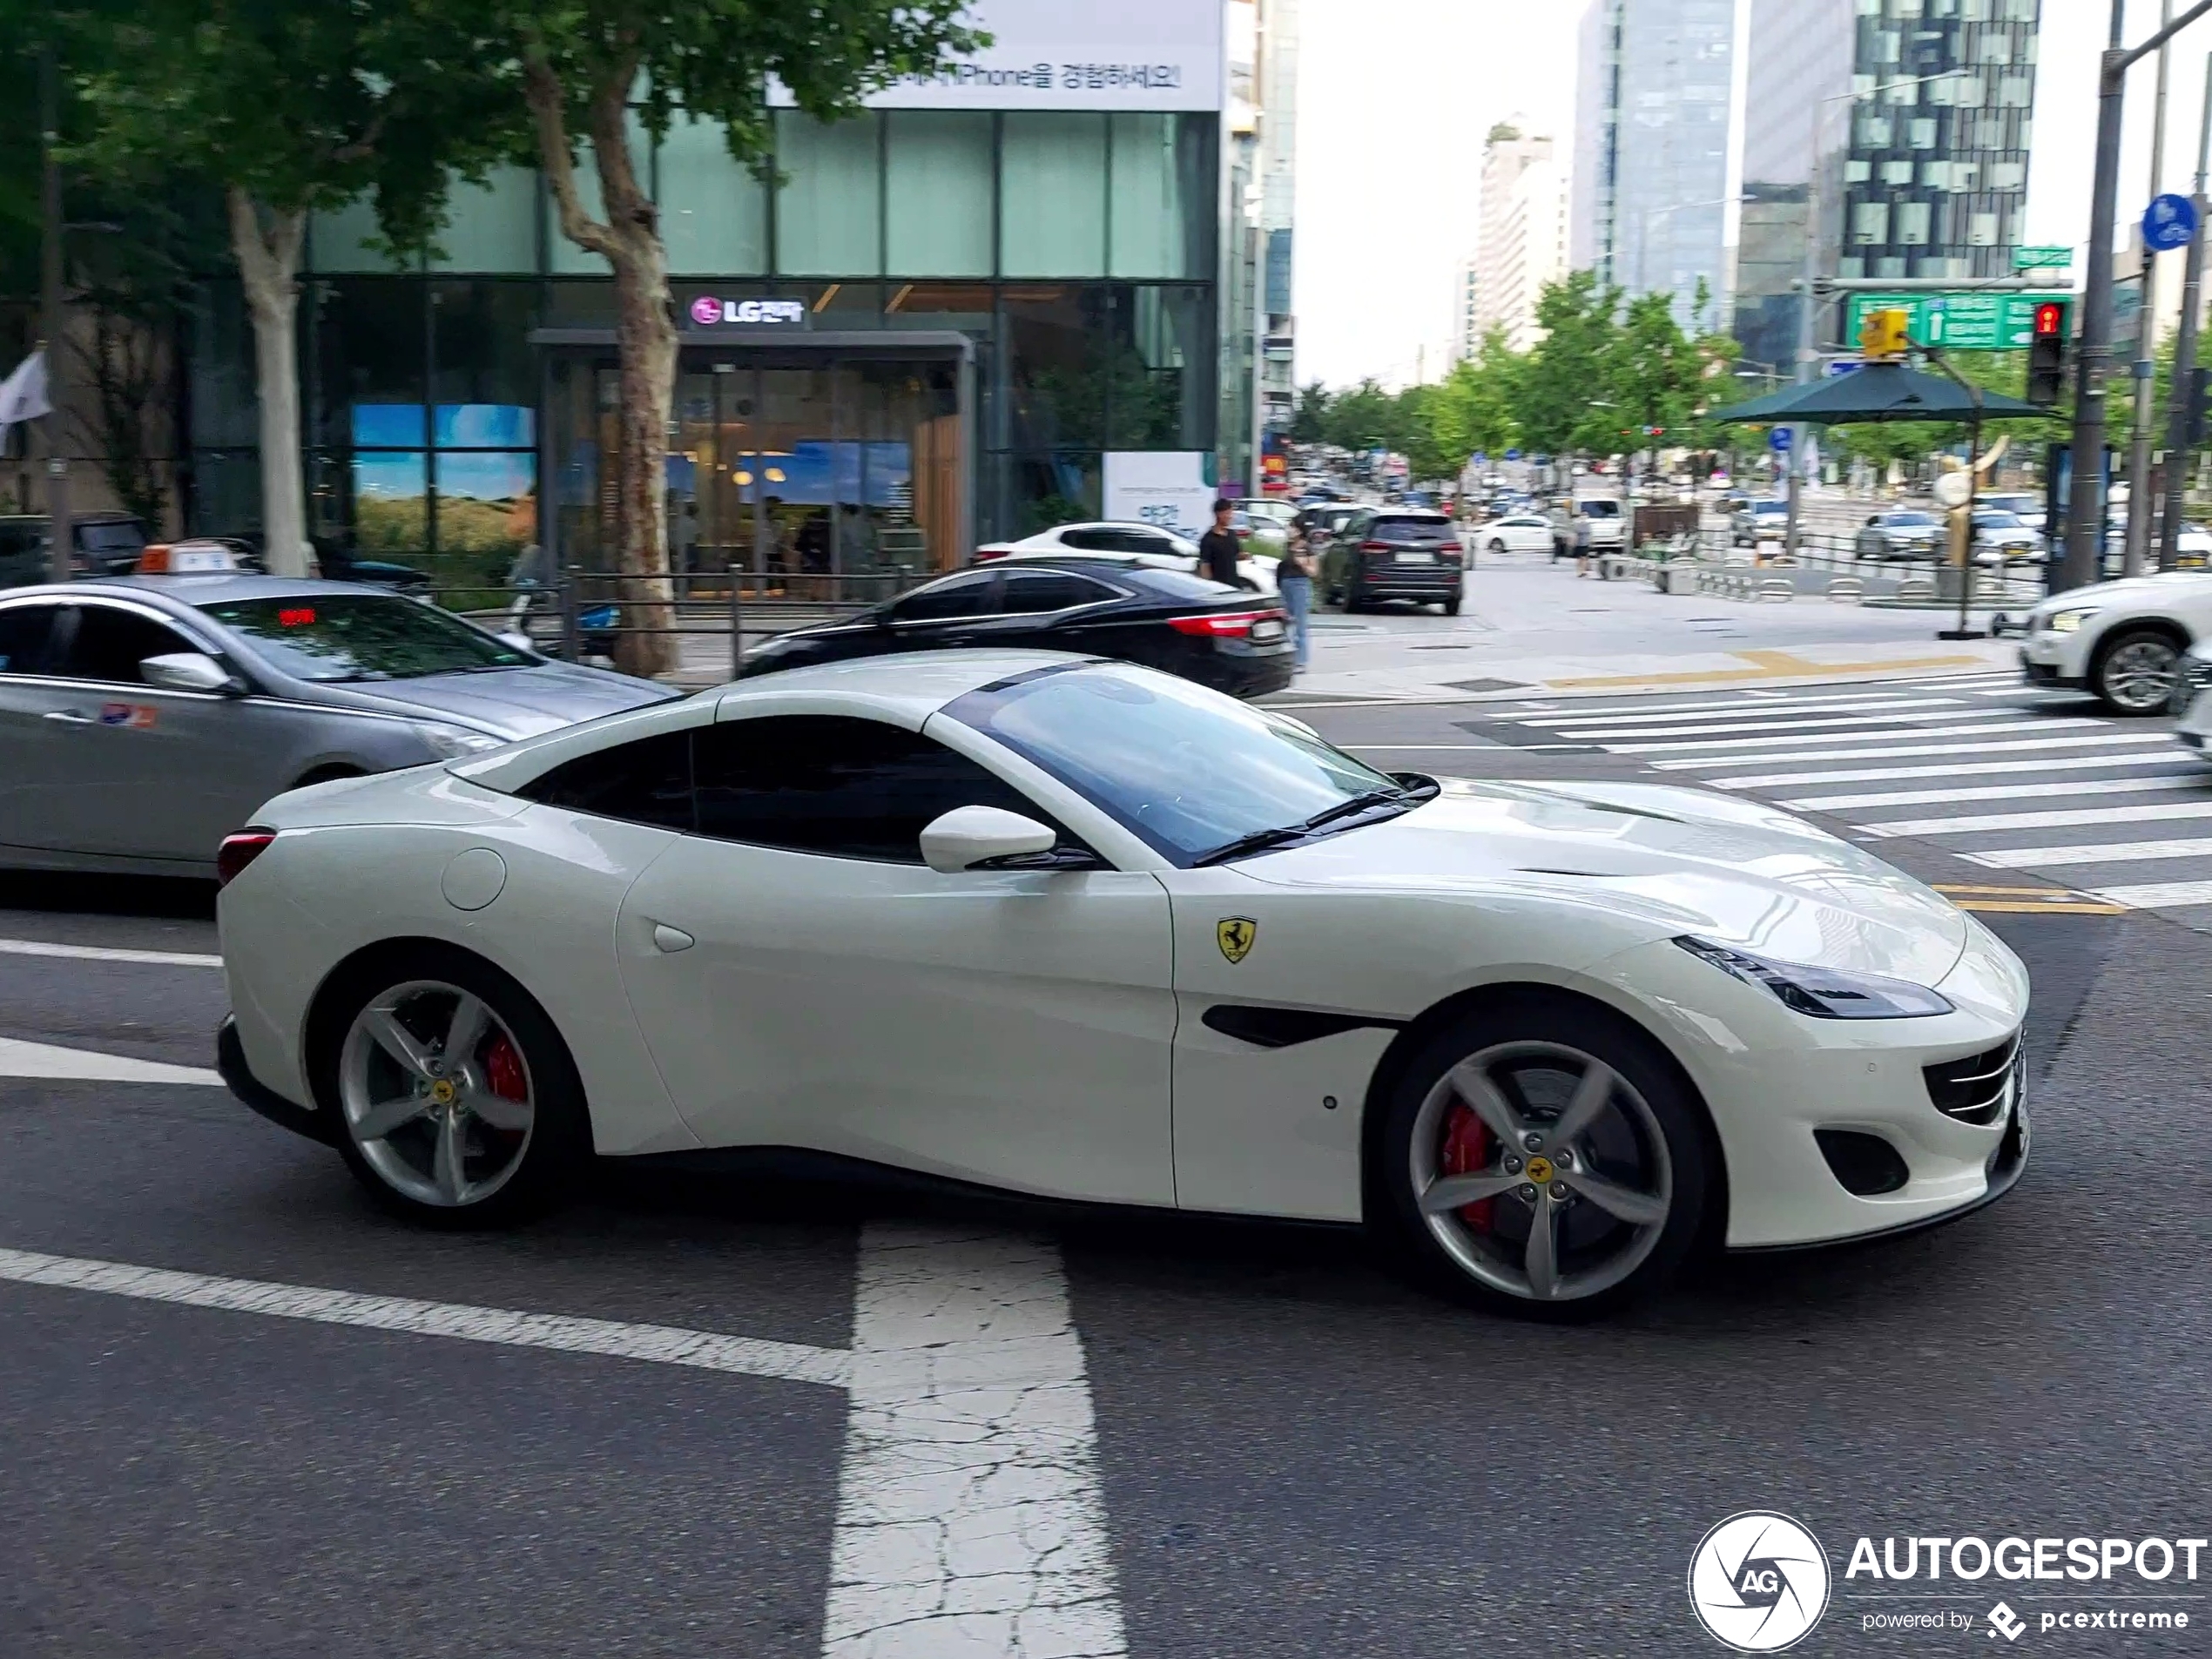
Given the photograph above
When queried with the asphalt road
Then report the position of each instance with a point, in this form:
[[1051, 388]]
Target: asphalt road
[[1292, 1450]]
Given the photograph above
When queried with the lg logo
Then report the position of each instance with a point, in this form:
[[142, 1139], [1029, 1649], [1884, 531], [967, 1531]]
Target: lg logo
[[707, 311], [1759, 1581]]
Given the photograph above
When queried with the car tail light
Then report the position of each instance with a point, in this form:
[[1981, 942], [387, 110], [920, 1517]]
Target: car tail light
[[237, 851], [985, 554], [1223, 624], [1374, 547]]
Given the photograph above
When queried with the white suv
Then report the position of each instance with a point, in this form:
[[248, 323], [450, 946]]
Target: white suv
[[2122, 641]]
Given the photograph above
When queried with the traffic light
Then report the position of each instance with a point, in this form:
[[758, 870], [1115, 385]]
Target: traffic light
[[2046, 354], [2200, 403], [1883, 336]]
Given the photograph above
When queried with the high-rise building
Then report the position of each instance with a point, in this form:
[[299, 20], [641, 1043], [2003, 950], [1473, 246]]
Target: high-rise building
[[1278, 62], [1651, 145], [1524, 234], [1259, 384], [1936, 168], [1467, 311], [1916, 113], [1799, 65]]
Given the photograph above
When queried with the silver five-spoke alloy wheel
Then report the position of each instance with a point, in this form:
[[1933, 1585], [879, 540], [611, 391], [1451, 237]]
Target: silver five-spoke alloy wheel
[[436, 1093], [1540, 1172], [2138, 676]]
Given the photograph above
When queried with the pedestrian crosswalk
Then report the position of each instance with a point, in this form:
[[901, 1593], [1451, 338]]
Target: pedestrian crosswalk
[[2111, 813]]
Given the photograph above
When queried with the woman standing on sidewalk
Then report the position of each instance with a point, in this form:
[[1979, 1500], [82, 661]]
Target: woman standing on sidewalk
[[1294, 584]]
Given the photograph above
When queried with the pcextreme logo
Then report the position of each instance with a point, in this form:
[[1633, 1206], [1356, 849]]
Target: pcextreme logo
[[1759, 1581]]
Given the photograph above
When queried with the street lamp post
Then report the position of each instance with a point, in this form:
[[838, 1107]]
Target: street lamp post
[[2084, 506], [2179, 394]]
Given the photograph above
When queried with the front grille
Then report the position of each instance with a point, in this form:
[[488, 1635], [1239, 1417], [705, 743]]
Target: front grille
[[1979, 1088]]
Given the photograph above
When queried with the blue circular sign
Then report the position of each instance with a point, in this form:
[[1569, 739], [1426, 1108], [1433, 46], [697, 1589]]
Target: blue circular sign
[[1778, 440], [2169, 222], [1513, 455]]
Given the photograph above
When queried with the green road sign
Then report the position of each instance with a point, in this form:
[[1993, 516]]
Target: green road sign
[[1961, 320], [2042, 259]]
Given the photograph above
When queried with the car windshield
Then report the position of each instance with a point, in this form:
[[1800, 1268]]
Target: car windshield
[[331, 637], [1601, 508], [110, 538], [1908, 521], [1770, 509], [1188, 770], [1996, 521]]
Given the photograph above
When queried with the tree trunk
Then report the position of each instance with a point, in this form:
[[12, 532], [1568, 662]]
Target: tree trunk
[[630, 241], [267, 245]]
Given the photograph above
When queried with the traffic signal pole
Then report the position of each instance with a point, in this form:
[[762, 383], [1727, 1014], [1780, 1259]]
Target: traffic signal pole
[[2138, 463], [2180, 393], [2085, 502]]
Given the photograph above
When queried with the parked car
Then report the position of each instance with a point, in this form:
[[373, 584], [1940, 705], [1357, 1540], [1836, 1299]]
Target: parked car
[[1608, 524], [1902, 533], [1260, 534], [2025, 505], [1100, 606], [1515, 532], [1759, 520], [101, 544], [1394, 553], [1320, 523], [2120, 641], [142, 718], [1146, 542], [2000, 538]]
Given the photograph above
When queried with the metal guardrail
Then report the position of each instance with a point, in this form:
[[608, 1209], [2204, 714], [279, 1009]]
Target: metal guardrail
[[587, 616]]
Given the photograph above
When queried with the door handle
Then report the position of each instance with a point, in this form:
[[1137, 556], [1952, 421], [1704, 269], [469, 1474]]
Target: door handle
[[670, 939], [69, 717]]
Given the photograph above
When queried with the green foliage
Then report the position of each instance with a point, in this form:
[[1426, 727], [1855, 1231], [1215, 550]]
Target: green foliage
[[1310, 421], [1565, 402]]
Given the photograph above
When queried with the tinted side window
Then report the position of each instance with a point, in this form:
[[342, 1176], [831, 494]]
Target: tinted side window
[[647, 781], [839, 787], [110, 644], [22, 637], [959, 596], [1036, 592], [1090, 541], [1411, 529]]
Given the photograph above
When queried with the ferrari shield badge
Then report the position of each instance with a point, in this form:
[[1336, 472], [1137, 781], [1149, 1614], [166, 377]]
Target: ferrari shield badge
[[1235, 935]]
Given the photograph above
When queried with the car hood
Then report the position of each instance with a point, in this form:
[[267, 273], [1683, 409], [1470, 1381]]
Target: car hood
[[1685, 861], [2148, 589], [510, 702]]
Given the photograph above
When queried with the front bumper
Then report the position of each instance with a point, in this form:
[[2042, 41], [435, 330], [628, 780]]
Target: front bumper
[[2057, 659], [1770, 1079]]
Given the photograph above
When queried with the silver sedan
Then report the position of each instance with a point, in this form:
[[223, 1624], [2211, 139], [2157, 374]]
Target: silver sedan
[[144, 719]]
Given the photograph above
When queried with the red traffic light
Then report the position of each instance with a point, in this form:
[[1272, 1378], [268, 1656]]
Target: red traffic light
[[2050, 318]]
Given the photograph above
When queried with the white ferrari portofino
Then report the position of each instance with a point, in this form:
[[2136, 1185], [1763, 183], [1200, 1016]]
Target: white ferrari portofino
[[1077, 930]]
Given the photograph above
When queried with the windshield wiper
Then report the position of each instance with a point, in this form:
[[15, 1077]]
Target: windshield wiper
[[1260, 840]]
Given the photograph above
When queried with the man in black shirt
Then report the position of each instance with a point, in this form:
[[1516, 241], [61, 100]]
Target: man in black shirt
[[1217, 548]]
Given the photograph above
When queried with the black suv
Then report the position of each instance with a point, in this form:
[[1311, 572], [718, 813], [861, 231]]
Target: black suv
[[1394, 554], [105, 545]]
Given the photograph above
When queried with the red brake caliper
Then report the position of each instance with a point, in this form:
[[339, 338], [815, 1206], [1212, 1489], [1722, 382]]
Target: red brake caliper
[[503, 1069], [1467, 1149]]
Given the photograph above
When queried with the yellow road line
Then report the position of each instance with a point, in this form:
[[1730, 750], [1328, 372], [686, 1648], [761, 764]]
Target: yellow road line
[[1772, 664], [2026, 907]]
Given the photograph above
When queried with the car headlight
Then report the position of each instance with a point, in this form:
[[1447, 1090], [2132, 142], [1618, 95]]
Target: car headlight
[[1824, 993], [451, 742], [2066, 622]]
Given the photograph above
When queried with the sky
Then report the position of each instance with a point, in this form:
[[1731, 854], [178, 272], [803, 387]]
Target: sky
[[1395, 96]]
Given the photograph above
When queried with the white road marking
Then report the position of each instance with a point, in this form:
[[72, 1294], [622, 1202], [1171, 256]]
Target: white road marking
[[970, 1520], [2156, 895], [46, 1060], [107, 953], [1965, 758], [1973, 823], [2004, 721], [970, 1517], [1640, 713], [659, 1344], [2067, 788], [1961, 768], [1728, 728], [2024, 858]]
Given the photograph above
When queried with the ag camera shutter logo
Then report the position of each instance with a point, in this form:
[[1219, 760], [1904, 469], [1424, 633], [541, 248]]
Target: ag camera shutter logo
[[1759, 1581]]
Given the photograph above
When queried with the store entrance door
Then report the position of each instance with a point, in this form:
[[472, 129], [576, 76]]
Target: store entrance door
[[806, 470]]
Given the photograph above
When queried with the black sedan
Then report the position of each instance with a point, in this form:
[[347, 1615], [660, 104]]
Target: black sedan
[[1229, 638]]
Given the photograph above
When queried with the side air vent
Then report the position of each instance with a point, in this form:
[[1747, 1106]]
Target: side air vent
[[1980, 1088], [1866, 1164]]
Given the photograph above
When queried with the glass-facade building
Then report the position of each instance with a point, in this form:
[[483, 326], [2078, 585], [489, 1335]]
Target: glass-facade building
[[1651, 145], [967, 310], [1936, 173]]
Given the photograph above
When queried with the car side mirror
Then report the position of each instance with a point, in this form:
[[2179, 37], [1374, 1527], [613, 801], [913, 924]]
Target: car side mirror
[[968, 836], [186, 671]]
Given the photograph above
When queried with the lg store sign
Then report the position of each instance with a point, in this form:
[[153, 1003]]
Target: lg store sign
[[709, 312]]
